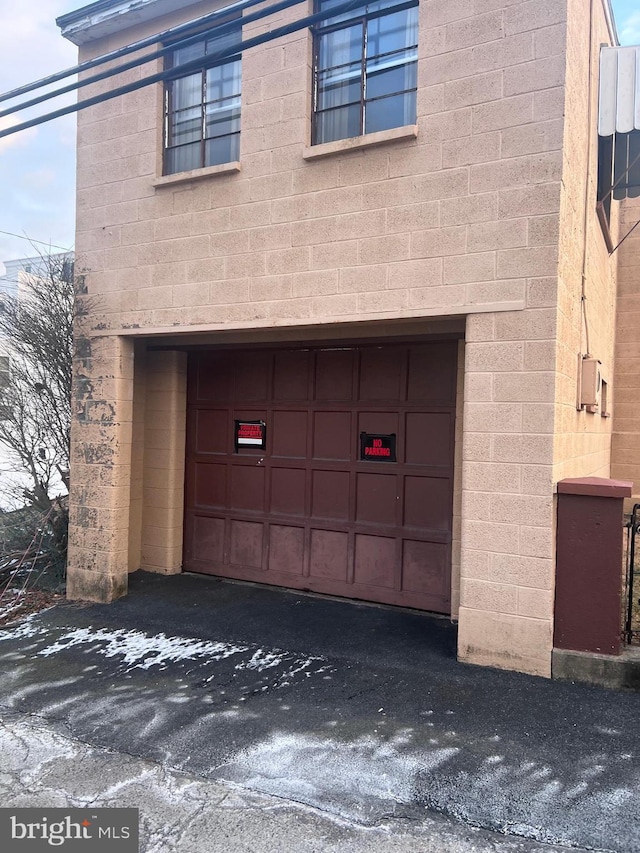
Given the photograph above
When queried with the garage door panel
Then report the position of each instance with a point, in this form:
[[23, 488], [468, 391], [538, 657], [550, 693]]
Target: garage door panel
[[432, 373], [251, 376], [381, 373], [291, 375], [288, 491], [376, 498], [286, 549], [212, 431], [329, 554], [425, 568], [373, 556], [332, 436], [247, 487], [246, 543], [330, 495], [306, 511], [208, 538], [289, 434], [427, 502], [214, 377], [429, 439], [210, 485], [334, 374]]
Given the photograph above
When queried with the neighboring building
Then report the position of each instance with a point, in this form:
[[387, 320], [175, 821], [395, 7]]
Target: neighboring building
[[342, 285]]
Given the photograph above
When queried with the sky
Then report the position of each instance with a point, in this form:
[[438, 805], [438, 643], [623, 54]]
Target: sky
[[37, 166]]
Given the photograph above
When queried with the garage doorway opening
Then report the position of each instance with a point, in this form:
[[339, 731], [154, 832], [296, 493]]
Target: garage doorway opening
[[325, 468]]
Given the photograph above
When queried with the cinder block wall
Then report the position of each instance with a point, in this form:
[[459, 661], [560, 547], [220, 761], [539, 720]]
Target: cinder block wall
[[582, 440], [418, 226], [522, 430], [625, 450], [460, 215]]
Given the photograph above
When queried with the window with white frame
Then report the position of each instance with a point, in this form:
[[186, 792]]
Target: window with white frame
[[365, 69], [202, 108]]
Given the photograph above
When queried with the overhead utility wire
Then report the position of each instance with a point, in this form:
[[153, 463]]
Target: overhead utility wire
[[221, 29], [33, 240], [216, 58], [173, 32]]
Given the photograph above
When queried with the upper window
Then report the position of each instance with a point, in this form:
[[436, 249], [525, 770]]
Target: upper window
[[618, 172], [202, 109], [365, 70]]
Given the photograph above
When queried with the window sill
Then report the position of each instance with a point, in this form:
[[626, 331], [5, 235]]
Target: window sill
[[354, 143], [197, 174]]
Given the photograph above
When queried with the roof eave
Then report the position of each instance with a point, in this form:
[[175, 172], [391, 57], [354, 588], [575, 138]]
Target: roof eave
[[106, 17]]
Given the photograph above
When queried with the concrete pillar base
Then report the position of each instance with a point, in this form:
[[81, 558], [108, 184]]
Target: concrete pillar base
[[85, 585]]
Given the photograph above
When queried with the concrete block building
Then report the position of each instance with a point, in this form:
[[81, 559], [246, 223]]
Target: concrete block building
[[342, 278]]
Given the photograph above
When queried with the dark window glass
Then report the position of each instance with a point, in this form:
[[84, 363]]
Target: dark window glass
[[618, 172], [365, 70], [202, 109]]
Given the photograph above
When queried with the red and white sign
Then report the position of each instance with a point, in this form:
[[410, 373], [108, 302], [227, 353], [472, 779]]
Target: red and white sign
[[250, 434]]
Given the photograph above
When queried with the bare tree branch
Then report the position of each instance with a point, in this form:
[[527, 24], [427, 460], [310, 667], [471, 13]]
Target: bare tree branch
[[35, 403]]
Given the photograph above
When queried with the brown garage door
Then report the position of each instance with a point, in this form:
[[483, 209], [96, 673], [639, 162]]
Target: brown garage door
[[328, 469]]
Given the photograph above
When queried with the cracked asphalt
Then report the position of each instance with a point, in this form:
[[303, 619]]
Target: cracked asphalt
[[244, 718]]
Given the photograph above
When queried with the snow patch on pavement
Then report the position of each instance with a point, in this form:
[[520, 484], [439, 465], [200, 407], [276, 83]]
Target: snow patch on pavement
[[27, 628], [137, 650], [142, 651], [355, 779]]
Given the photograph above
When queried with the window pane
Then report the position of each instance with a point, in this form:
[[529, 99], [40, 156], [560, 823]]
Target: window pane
[[186, 92], [223, 118], [392, 32], [187, 54], [223, 149], [357, 12], [226, 41], [396, 111], [185, 126], [338, 124], [341, 47], [345, 16], [224, 81], [339, 86], [183, 159], [390, 80]]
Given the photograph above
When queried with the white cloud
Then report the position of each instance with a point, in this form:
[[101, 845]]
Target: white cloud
[[17, 139], [630, 29]]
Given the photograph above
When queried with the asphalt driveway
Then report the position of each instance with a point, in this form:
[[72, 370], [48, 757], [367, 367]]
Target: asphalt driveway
[[361, 712]]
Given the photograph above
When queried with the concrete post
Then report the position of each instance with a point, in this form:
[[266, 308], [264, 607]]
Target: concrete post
[[101, 469]]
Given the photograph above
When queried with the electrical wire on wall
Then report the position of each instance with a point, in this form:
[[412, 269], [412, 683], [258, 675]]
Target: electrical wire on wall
[[587, 197]]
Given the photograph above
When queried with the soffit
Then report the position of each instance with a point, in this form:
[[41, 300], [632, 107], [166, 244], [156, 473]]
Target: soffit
[[107, 17]]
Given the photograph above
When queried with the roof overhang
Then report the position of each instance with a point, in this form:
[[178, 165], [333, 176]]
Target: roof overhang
[[619, 98], [107, 17]]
